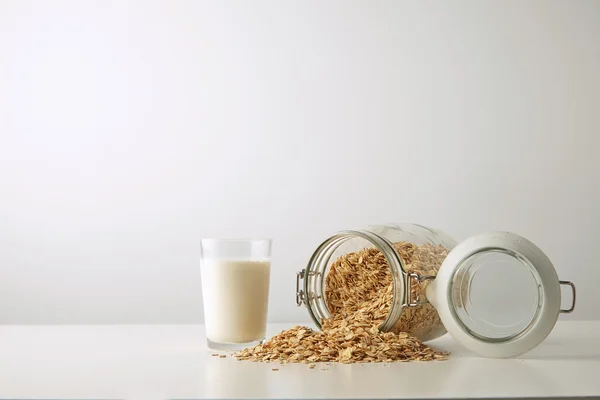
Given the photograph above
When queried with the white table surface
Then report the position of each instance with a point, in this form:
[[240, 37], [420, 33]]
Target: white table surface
[[172, 362]]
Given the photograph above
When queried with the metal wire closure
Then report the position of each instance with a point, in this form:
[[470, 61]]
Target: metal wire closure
[[418, 278], [569, 310], [299, 292]]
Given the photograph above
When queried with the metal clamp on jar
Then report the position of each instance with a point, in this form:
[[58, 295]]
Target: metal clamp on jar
[[497, 293]]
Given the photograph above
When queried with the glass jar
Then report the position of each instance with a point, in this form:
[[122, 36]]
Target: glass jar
[[497, 293]]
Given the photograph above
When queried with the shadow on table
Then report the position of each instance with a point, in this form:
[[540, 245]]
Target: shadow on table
[[576, 348]]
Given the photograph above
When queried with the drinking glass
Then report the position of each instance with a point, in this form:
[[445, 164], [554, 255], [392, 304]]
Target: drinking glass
[[235, 291]]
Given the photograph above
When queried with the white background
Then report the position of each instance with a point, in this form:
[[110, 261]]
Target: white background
[[129, 130]]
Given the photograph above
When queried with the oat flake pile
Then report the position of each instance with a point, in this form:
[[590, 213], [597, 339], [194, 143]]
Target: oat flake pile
[[359, 292], [359, 287]]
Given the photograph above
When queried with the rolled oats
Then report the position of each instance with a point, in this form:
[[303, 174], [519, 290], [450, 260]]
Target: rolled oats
[[331, 345], [359, 286]]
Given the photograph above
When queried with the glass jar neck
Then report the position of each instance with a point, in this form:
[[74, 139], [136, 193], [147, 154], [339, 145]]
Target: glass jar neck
[[314, 276]]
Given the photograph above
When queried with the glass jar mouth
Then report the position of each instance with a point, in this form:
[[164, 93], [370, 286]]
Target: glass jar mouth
[[489, 310], [315, 274]]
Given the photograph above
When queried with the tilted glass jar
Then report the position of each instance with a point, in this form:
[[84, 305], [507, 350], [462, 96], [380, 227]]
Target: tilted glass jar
[[497, 293]]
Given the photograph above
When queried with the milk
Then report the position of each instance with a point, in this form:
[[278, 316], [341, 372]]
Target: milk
[[235, 295]]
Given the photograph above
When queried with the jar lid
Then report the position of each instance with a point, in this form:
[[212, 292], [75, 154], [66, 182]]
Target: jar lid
[[498, 294]]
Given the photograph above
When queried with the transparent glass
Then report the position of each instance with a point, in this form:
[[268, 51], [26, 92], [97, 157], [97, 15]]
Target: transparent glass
[[235, 291], [483, 304], [406, 248]]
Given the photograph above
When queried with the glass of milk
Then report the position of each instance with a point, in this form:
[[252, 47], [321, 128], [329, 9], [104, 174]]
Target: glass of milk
[[235, 291]]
